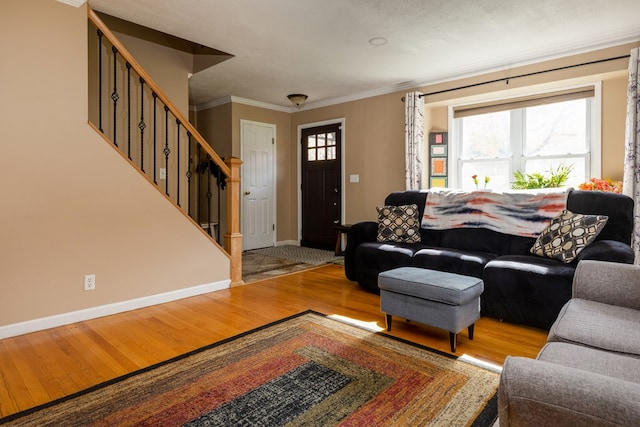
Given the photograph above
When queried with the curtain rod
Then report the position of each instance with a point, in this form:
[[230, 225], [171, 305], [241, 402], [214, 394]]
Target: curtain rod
[[503, 79]]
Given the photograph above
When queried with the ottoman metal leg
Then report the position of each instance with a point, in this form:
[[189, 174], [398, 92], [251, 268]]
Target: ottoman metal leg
[[387, 319]]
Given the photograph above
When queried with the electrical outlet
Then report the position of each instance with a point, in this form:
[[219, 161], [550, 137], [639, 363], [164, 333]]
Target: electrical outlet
[[163, 173], [89, 282]]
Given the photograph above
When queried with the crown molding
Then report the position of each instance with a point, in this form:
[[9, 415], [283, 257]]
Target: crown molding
[[245, 101], [74, 3], [472, 71]]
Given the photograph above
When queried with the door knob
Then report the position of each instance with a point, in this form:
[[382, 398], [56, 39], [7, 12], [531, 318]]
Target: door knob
[[337, 221], [246, 193]]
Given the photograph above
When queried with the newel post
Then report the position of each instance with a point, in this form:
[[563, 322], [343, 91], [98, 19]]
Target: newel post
[[233, 238]]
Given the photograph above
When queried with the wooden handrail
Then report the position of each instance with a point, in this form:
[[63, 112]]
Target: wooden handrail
[[93, 17], [230, 168]]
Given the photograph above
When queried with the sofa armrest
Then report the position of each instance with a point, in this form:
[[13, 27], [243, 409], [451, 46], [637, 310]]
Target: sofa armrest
[[608, 282], [536, 393], [607, 250], [358, 233]]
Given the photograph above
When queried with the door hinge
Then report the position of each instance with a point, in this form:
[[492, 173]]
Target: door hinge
[[273, 141], [274, 227]]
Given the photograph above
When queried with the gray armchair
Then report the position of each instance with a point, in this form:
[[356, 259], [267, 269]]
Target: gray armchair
[[588, 373]]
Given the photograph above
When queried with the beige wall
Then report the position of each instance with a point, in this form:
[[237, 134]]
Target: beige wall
[[71, 204], [373, 147], [375, 126], [169, 68], [614, 112], [221, 127], [374, 129]]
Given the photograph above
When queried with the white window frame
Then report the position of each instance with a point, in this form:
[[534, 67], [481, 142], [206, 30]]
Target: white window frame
[[595, 148]]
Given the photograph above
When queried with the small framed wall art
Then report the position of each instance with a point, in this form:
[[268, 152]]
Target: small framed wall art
[[437, 182], [438, 150], [439, 155], [438, 166]]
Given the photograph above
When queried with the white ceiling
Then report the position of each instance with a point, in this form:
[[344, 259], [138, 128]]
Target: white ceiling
[[321, 47]]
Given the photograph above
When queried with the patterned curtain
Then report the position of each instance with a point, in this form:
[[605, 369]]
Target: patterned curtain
[[414, 139], [631, 183]]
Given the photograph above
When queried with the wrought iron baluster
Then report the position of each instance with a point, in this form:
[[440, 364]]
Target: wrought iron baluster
[[114, 94], [155, 128], [166, 150], [100, 34], [128, 110], [178, 162], [199, 183], [142, 125], [188, 173], [218, 182], [209, 195]]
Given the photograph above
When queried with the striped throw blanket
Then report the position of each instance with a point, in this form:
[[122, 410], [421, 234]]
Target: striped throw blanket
[[521, 213]]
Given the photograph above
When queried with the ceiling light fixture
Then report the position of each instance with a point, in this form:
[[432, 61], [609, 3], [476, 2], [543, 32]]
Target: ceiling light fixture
[[378, 41], [298, 99]]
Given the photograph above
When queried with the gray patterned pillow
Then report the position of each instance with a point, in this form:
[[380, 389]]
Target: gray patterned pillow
[[398, 224], [567, 235]]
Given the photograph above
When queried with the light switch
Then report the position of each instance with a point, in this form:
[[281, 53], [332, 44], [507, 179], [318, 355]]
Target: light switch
[[354, 178]]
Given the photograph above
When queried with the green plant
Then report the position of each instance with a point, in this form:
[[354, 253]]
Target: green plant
[[528, 181]]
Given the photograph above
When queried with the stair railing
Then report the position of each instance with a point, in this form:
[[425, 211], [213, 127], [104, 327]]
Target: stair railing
[[134, 115]]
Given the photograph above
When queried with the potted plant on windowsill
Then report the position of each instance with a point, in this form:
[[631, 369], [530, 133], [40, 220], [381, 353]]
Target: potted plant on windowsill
[[555, 178]]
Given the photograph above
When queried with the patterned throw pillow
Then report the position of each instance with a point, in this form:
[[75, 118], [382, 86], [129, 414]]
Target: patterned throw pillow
[[398, 224], [567, 235]]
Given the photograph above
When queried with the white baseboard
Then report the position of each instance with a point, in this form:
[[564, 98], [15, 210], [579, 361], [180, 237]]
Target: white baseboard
[[106, 310], [288, 242]]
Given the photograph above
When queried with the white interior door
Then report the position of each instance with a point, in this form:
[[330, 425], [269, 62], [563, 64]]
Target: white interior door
[[258, 185]]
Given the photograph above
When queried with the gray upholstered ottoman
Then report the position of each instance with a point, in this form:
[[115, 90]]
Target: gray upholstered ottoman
[[436, 298]]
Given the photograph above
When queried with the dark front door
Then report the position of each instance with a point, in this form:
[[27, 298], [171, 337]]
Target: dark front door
[[321, 191]]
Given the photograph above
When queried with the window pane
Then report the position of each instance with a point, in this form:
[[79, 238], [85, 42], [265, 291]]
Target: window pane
[[558, 128], [311, 154], [322, 140], [321, 153], [311, 141], [331, 138], [331, 153], [495, 170], [486, 136]]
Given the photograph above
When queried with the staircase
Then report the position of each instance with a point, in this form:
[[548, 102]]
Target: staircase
[[133, 115]]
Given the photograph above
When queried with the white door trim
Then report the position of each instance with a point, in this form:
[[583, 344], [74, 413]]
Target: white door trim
[[274, 164], [342, 122]]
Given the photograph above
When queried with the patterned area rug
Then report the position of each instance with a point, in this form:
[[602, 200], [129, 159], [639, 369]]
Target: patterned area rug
[[299, 254], [275, 261], [304, 370]]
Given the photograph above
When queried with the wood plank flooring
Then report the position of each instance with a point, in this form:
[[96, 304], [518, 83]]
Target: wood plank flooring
[[39, 367]]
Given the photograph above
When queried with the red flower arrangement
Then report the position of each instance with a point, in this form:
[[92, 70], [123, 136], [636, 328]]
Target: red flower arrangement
[[607, 184]]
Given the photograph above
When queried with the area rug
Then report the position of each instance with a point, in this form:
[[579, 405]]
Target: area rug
[[299, 254], [306, 370]]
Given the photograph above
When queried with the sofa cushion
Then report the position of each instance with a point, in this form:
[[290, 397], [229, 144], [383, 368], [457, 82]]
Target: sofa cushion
[[538, 393], [618, 207], [373, 258], [592, 360], [567, 235], [410, 197], [526, 289], [598, 325], [456, 261], [475, 239], [398, 224]]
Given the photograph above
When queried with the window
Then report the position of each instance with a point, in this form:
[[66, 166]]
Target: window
[[532, 134], [321, 147]]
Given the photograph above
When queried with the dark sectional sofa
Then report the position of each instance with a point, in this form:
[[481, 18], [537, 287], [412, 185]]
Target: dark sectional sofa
[[519, 287]]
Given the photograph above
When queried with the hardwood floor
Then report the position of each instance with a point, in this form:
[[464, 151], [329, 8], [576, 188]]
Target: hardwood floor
[[42, 366]]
